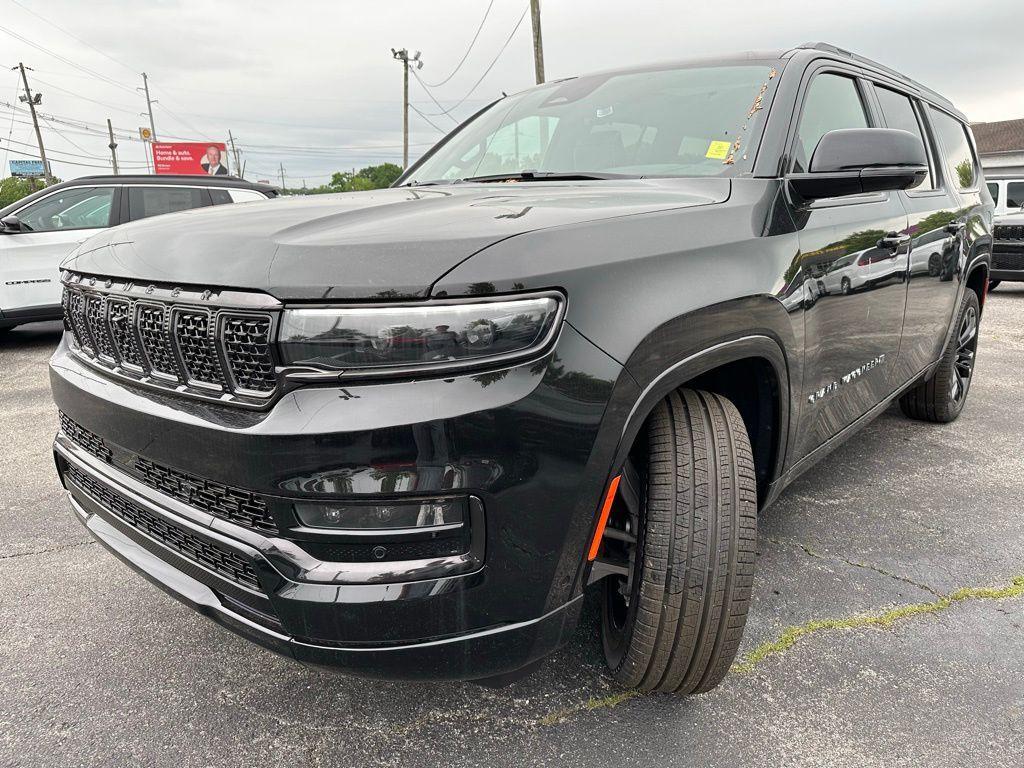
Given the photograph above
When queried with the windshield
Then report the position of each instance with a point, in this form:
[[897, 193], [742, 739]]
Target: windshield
[[698, 121]]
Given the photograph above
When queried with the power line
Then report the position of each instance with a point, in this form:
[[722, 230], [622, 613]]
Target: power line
[[427, 119], [66, 60], [464, 56], [431, 95], [486, 71], [73, 36]]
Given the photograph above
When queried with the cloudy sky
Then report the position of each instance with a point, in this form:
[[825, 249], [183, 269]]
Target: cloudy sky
[[312, 85]]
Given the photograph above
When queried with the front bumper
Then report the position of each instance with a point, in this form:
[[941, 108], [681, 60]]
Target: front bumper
[[527, 443], [1007, 260]]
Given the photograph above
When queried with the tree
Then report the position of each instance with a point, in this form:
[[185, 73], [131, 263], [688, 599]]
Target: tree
[[370, 177], [13, 189]]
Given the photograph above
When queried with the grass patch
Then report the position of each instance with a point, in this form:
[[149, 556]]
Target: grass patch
[[885, 619], [611, 700]]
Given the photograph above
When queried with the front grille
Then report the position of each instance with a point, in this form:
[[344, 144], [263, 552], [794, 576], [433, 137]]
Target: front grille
[[95, 318], [83, 438], [231, 504], [1008, 232], [151, 322], [197, 344], [181, 339], [1007, 259], [383, 551], [209, 554], [247, 347], [122, 332]]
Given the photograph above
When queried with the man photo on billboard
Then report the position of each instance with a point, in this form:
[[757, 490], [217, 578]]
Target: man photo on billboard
[[211, 162]]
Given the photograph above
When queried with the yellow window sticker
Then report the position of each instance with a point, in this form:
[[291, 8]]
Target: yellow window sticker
[[717, 150]]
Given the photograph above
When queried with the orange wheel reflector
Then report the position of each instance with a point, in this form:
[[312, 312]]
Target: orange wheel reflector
[[602, 521]]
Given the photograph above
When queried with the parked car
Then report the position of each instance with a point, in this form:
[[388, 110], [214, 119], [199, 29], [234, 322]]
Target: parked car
[[400, 432], [1008, 251], [39, 231]]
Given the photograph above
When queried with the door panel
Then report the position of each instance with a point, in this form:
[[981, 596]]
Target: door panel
[[853, 259], [852, 331], [55, 225], [933, 276]]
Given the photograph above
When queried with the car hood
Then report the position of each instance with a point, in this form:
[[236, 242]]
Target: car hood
[[388, 243]]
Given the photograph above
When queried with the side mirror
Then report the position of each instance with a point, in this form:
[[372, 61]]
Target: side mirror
[[10, 225], [852, 161]]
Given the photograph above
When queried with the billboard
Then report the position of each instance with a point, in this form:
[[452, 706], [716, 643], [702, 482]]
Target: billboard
[[27, 168], [208, 158]]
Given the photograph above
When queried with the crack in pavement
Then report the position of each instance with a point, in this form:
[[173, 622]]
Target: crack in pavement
[[884, 619], [792, 634], [46, 550], [810, 552]]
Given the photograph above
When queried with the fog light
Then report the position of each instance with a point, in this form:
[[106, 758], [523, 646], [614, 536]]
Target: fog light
[[390, 516]]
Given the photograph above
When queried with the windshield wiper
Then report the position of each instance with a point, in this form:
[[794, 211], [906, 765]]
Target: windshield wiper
[[550, 176]]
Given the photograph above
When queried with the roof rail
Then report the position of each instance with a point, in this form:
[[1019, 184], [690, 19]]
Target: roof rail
[[836, 50]]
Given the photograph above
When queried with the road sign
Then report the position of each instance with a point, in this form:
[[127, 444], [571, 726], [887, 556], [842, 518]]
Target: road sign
[[145, 134], [27, 168]]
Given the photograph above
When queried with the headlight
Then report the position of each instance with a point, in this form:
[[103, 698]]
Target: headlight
[[373, 341]]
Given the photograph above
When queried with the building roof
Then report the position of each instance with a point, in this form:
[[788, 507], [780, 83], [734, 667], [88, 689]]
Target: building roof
[[1003, 136]]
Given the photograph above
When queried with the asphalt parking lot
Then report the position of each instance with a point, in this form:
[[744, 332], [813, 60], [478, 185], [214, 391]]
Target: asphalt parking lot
[[887, 627]]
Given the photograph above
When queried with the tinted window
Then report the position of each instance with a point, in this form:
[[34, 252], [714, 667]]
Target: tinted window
[[832, 103], [220, 196], [1015, 194], [955, 149], [899, 113], [76, 208], [153, 201], [993, 190]]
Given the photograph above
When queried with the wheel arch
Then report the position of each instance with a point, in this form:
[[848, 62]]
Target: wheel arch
[[751, 371]]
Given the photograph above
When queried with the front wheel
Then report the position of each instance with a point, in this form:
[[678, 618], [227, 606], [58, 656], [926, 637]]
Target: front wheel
[[687, 526], [993, 283], [941, 397]]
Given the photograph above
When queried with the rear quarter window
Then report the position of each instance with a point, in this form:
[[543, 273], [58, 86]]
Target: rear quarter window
[[961, 166]]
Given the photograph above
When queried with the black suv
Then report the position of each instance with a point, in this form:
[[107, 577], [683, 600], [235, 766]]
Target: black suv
[[583, 340]]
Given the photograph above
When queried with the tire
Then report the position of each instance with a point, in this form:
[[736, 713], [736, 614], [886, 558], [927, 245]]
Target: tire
[[993, 283], [941, 397], [844, 286], [695, 550]]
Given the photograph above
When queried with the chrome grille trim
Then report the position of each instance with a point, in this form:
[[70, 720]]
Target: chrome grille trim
[[203, 343]]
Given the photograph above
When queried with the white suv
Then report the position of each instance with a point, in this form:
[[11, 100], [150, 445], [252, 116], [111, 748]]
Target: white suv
[[39, 231]]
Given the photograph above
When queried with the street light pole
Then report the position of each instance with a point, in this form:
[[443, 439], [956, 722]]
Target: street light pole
[[402, 55], [31, 101]]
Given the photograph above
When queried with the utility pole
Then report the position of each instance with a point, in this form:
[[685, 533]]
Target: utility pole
[[281, 166], [149, 104], [403, 56], [234, 151], [113, 146], [538, 44], [32, 101]]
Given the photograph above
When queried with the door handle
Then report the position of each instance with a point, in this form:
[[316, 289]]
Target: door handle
[[955, 227], [893, 241]]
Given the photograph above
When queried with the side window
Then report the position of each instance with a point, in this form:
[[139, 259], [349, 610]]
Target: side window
[[956, 149], [76, 208], [144, 202], [993, 189], [1015, 194], [220, 196], [245, 195], [898, 112], [832, 102]]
